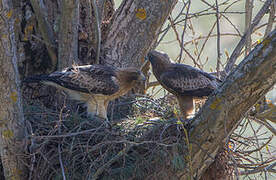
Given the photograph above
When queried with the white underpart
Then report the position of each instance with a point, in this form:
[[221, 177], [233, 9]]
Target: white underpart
[[192, 113], [94, 107]]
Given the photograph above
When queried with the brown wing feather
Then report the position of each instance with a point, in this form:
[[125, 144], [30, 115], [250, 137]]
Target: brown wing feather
[[186, 80], [96, 79]]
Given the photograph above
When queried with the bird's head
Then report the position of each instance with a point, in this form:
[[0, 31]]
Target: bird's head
[[132, 75], [158, 57]]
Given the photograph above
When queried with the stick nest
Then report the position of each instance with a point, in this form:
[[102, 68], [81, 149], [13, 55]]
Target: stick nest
[[71, 145]]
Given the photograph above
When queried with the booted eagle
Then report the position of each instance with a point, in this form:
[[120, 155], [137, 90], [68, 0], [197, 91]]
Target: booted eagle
[[95, 85], [184, 81]]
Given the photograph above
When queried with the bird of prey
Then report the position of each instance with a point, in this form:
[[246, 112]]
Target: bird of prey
[[96, 85], [184, 81]]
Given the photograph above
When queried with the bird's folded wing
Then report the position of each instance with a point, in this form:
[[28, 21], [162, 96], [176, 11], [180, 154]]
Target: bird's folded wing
[[187, 79], [94, 79]]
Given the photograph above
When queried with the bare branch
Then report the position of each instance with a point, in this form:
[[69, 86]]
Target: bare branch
[[184, 31], [59, 144], [241, 90], [268, 168], [270, 19], [266, 124], [237, 50], [218, 41], [119, 155], [248, 19]]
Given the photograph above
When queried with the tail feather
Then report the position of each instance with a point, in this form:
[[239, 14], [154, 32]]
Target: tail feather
[[37, 79]]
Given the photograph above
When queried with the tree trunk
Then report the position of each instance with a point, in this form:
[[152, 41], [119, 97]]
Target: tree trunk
[[133, 31], [68, 34], [12, 119], [220, 115]]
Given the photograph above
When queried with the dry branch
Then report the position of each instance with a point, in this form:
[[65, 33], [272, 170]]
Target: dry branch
[[250, 81], [248, 19], [230, 64]]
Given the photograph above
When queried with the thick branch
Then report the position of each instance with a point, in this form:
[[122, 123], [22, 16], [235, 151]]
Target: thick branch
[[133, 30], [250, 81], [46, 31], [98, 30], [68, 34]]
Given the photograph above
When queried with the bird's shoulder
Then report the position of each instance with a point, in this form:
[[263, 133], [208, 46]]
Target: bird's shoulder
[[92, 70], [182, 70]]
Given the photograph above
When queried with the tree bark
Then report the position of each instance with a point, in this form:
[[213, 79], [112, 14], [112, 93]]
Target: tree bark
[[68, 34], [12, 119], [133, 31], [220, 115], [87, 34], [46, 31]]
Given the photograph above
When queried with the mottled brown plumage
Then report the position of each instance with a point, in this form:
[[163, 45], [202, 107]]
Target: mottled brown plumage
[[95, 85], [184, 81]]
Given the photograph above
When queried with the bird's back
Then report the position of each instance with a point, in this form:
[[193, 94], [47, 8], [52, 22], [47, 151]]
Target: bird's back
[[96, 79], [181, 79]]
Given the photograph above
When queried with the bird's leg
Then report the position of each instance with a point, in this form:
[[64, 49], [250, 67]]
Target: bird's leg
[[108, 124], [101, 110], [91, 108], [186, 104], [98, 108]]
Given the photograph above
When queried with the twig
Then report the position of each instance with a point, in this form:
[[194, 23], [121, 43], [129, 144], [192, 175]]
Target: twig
[[98, 31], [266, 124], [259, 148], [270, 19], [106, 165], [267, 168], [205, 41], [218, 40], [61, 163], [181, 46], [237, 50], [184, 31], [248, 19], [31, 150], [59, 149], [164, 32], [69, 134]]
